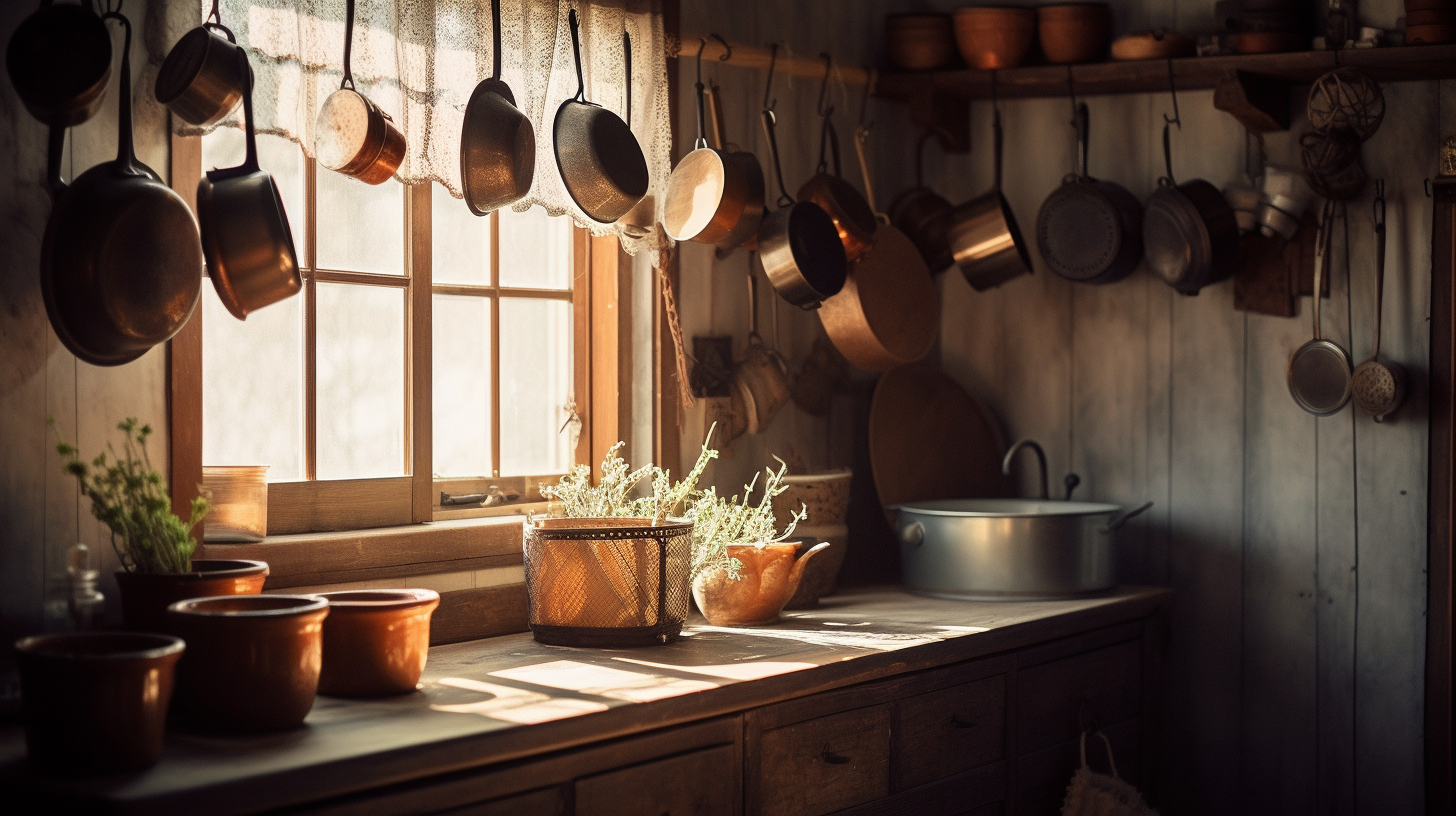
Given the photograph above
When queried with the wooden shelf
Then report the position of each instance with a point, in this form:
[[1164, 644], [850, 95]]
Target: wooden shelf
[[1396, 64]]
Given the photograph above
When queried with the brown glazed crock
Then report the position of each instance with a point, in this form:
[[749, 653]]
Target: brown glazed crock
[[252, 660], [376, 641], [146, 596], [95, 702]]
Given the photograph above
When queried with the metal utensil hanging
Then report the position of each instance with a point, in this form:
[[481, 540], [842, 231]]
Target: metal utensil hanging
[[1319, 370], [1378, 386]]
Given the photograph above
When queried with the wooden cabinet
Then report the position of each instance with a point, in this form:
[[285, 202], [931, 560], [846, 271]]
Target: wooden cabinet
[[824, 764], [946, 732], [698, 783]]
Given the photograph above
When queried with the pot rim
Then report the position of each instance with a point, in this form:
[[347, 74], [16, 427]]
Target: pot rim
[[1035, 508], [379, 599], [195, 607], [239, 568], [51, 646], [822, 476]]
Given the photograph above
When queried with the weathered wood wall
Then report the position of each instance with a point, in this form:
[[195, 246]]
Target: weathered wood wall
[[1296, 545], [41, 514]]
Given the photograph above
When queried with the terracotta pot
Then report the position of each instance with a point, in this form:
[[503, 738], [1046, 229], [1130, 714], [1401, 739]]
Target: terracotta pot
[[995, 36], [1074, 32], [820, 575], [95, 702], [767, 580], [1429, 34], [376, 641], [1428, 17], [1147, 45], [145, 596], [919, 42], [252, 660], [1269, 42], [1427, 5], [824, 495]]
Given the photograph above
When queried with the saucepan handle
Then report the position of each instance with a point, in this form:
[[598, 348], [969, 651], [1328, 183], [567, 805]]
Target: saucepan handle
[[1123, 517]]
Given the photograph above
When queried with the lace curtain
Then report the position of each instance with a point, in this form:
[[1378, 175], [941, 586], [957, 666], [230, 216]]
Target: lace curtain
[[420, 60]]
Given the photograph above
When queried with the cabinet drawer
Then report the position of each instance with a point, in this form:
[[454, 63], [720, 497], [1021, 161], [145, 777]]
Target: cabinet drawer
[[825, 764], [700, 783], [548, 802], [951, 730], [1050, 697]]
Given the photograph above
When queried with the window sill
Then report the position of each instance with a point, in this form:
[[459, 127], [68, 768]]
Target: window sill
[[313, 559]]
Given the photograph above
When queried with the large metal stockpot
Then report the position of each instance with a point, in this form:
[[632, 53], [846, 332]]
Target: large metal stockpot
[[1008, 549]]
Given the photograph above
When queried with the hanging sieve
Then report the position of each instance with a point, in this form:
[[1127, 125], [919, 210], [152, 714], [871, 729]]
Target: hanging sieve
[[1378, 386]]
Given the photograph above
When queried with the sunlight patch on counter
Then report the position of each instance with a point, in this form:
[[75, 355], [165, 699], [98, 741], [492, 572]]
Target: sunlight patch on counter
[[874, 641], [603, 681], [748, 670], [515, 705]]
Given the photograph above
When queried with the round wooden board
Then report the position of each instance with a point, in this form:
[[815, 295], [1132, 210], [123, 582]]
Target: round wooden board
[[929, 439]]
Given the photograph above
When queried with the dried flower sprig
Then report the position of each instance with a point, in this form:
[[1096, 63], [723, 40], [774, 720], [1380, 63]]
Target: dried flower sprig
[[718, 522]]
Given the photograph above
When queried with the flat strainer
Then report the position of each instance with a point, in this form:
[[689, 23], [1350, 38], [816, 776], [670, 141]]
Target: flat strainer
[[1319, 371]]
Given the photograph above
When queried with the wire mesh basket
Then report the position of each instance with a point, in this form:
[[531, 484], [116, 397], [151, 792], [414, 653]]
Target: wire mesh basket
[[607, 581]]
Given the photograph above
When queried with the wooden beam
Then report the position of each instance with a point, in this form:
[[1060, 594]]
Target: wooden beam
[[184, 358], [419, 371], [1442, 502], [607, 365]]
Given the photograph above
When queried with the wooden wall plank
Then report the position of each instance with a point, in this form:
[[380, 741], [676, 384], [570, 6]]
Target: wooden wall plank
[[1391, 467]]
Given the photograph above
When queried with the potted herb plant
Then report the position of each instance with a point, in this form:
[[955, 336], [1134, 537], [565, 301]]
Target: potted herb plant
[[615, 571], [744, 567], [154, 546]]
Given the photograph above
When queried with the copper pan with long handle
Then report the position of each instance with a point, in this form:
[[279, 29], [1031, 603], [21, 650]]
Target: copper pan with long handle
[[887, 314]]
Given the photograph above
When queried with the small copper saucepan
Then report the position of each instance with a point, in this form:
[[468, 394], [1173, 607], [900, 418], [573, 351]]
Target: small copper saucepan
[[853, 217], [199, 81], [984, 237], [354, 136], [59, 60], [245, 234]]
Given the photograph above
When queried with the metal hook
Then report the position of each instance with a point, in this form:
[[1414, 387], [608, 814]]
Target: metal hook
[[702, 43], [1427, 184], [1377, 207], [773, 57], [995, 102], [824, 109], [727, 49], [1072, 91], [1173, 89]]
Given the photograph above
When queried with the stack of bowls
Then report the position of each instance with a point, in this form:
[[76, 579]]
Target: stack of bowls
[[1074, 32], [919, 42], [1428, 22], [995, 36]]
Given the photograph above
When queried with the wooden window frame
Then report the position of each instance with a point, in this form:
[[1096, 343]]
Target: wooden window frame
[[296, 509]]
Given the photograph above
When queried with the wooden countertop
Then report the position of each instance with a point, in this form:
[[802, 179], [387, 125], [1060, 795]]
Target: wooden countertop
[[505, 698]]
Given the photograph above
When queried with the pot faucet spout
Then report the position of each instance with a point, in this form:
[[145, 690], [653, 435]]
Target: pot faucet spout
[[1040, 460]]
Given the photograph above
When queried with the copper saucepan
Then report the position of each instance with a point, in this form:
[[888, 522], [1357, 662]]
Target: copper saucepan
[[709, 193], [741, 163], [121, 260], [887, 314], [59, 60], [853, 217], [798, 243], [983, 234], [762, 379], [601, 162], [497, 141], [199, 81], [354, 136], [245, 234]]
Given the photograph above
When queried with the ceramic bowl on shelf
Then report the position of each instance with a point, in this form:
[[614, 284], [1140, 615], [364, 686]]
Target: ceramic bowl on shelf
[[919, 42], [1149, 45], [995, 36], [252, 661], [95, 702], [376, 641], [1429, 34], [1074, 32]]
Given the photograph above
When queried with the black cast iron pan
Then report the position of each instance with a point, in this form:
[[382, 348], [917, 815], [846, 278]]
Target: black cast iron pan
[[1090, 231]]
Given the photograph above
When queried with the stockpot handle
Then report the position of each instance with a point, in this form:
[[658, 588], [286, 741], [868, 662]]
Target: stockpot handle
[[1123, 517]]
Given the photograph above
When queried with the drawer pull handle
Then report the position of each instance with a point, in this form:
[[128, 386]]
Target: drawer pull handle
[[833, 758], [957, 722]]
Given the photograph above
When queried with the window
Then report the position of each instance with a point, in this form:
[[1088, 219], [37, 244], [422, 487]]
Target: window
[[430, 351]]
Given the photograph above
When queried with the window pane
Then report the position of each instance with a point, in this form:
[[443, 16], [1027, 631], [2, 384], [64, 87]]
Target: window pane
[[361, 382], [225, 147], [460, 241], [363, 225], [535, 250], [536, 384], [252, 388], [461, 396]]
